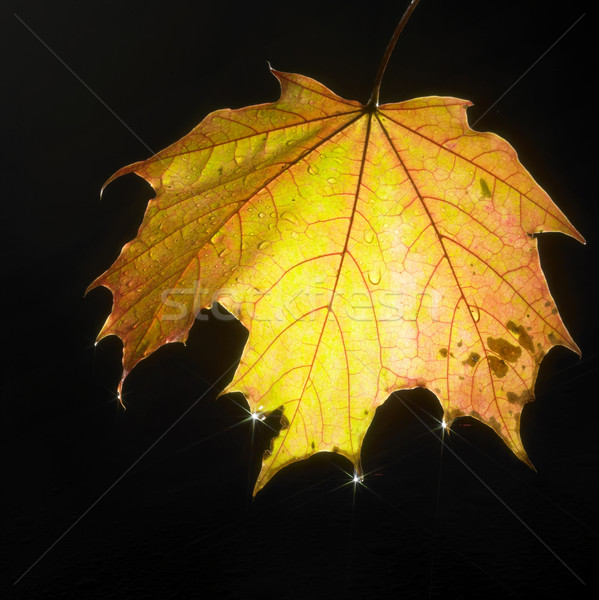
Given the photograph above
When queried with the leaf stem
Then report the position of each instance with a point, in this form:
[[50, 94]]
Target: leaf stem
[[373, 101]]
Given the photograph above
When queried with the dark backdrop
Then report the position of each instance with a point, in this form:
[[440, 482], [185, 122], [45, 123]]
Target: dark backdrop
[[473, 522]]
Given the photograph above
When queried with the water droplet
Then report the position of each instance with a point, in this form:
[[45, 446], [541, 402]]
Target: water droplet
[[261, 215], [290, 218], [263, 245], [290, 142], [217, 238], [332, 180], [369, 236], [475, 313], [295, 235], [223, 252], [374, 276], [313, 170]]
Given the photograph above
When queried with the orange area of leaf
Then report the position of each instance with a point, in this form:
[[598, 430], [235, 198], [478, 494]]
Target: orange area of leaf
[[366, 251]]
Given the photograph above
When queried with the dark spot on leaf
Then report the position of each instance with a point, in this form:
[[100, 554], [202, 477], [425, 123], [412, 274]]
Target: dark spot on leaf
[[484, 188], [443, 352], [472, 360], [524, 338], [504, 349], [553, 338], [460, 344], [498, 366], [365, 411], [313, 445], [554, 311], [460, 377], [547, 303], [513, 327], [524, 397], [494, 424]]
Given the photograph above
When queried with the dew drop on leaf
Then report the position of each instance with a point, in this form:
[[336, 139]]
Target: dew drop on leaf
[[475, 313], [290, 218], [374, 276], [217, 238]]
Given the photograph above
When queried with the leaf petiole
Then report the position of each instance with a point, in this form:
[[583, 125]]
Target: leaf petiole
[[373, 101]]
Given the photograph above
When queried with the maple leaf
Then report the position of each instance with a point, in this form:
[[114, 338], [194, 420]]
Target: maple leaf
[[366, 248]]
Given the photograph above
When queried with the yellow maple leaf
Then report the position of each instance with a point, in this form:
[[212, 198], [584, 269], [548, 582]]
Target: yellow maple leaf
[[366, 248]]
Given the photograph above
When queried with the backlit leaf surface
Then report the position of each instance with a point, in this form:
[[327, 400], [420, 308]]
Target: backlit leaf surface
[[366, 251]]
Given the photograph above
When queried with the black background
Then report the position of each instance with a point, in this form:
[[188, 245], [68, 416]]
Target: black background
[[181, 523]]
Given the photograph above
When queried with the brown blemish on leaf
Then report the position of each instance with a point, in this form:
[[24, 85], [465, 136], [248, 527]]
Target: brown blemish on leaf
[[498, 366], [524, 338], [521, 399], [451, 414], [504, 349], [460, 344], [472, 360], [494, 423], [443, 352], [540, 353], [313, 445], [484, 188], [553, 338]]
